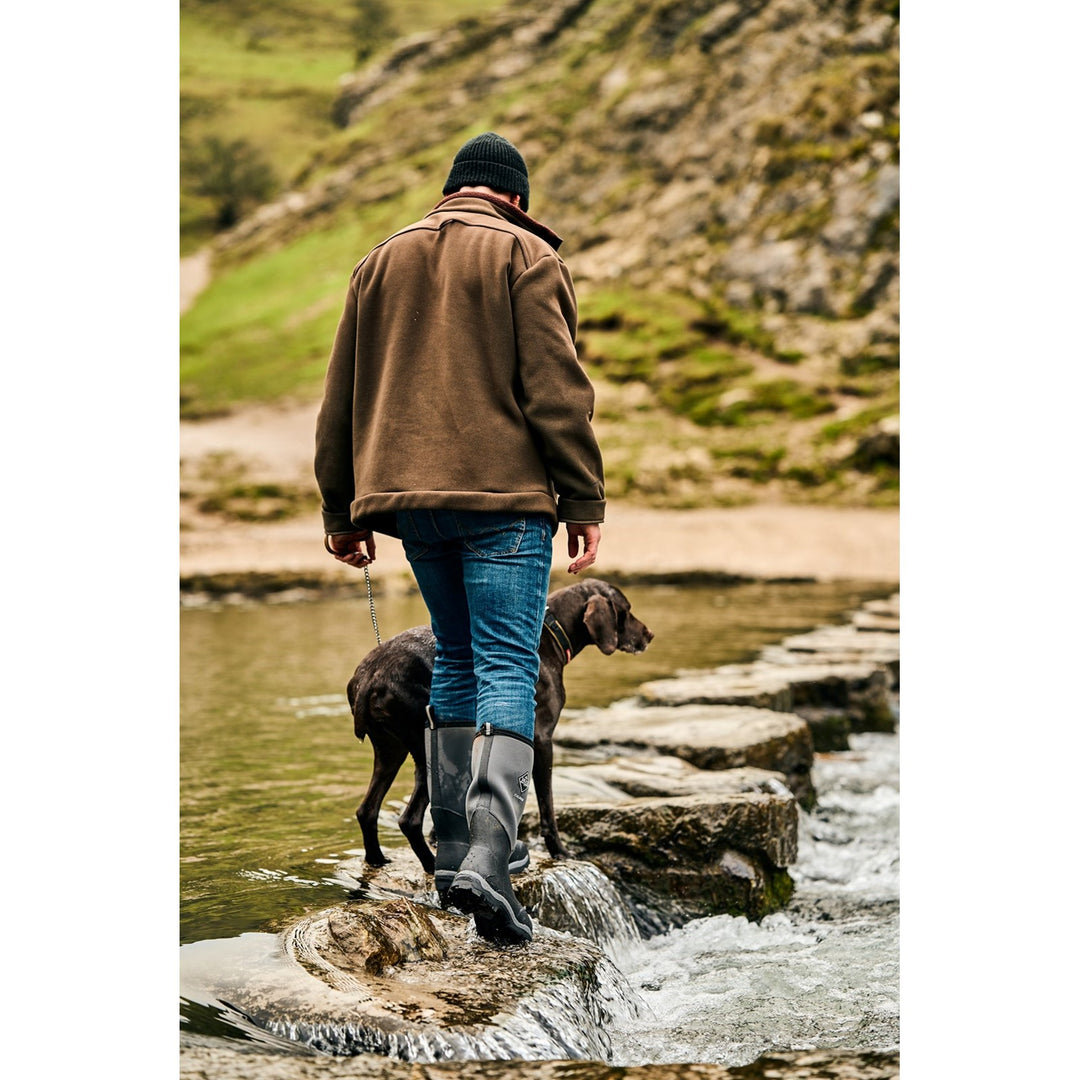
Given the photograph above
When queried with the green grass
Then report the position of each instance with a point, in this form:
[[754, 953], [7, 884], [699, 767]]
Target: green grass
[[268, 73], [263, 331], [861, 421]]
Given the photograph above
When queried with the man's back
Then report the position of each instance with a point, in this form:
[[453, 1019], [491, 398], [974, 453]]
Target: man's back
[[467, 384]]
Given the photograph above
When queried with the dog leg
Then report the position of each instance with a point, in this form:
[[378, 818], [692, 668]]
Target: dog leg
[[389, 757], [542, 786], [411, 821]]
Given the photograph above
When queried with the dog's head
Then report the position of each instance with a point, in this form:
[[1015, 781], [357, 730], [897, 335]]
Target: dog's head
[[611, 624]]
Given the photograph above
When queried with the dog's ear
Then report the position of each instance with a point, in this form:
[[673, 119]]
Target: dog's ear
[[600, 621]]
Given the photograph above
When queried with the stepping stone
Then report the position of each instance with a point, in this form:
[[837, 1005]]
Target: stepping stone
[[644, 776], [680, 858], [834, 699], [406, 980], [707, 736], [838, 645]]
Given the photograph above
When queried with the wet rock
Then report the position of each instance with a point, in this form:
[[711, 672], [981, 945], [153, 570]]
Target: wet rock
[[708, 736], [402, 876], [839, 645], [834, 699], [565, 895], [204, 1058], [414, 982], [400, 934], [680, 858], [577, 898], [584, 784], [645, 775]]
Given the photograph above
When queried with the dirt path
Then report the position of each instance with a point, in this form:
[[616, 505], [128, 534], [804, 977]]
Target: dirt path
[[765, 540], [194, 277]]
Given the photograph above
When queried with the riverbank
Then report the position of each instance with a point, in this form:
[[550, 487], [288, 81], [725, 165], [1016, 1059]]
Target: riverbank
[[767, 540], [761, 542]]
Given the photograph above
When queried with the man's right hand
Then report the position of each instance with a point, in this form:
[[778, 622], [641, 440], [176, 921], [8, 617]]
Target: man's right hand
[[575, 533], [347, 548]]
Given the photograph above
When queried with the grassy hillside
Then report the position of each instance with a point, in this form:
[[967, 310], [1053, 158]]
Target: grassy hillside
[[724, 175], [266, 72]]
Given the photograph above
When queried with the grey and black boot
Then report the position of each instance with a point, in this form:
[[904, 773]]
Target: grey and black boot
[[501, 768], [449, 771]]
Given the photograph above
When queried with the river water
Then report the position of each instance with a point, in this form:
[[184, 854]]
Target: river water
[[271, 775], [823, 973]]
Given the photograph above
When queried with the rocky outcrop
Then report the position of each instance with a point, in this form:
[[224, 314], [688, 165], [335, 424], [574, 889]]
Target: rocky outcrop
[[743, 150]]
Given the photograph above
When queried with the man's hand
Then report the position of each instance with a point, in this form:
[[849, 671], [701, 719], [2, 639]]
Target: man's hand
[[591, 535], [347, 547]]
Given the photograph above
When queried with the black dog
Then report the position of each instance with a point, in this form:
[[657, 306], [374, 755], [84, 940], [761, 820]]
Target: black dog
[[389, 693]]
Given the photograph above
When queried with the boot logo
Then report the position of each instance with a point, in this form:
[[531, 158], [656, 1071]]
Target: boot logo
[[523, 787]]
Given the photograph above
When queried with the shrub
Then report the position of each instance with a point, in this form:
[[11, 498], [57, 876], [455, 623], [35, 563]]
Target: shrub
[[234, 174]]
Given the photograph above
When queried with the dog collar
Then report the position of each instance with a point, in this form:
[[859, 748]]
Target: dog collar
[[562, 638]]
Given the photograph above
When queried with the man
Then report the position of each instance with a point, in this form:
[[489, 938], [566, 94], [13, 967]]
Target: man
[[456, 416]]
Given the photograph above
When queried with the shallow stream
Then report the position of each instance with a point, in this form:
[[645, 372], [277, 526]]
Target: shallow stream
[[271, 775]]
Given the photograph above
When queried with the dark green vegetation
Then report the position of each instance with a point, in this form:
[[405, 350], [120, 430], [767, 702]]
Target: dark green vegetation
[[225, 489], [725, 176]]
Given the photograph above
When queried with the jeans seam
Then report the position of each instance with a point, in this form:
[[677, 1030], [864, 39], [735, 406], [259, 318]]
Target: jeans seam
[[521, 524]]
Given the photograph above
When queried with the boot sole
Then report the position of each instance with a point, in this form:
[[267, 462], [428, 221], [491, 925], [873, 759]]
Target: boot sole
[[445, 878], [495, 919]]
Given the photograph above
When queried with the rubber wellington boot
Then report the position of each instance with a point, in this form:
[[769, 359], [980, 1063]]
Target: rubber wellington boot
[[449, 771], [501, 768]]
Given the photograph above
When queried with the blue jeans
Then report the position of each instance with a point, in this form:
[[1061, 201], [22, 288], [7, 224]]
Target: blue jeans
[[484, 577]]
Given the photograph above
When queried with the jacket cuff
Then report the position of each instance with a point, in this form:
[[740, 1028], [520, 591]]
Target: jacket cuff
[[337, 523], [582, 512]]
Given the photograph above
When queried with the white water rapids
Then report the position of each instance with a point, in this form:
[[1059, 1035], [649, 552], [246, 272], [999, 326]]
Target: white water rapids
[[823, 973]]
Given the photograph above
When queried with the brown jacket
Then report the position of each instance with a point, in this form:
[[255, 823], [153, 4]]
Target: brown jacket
[[454, 381]]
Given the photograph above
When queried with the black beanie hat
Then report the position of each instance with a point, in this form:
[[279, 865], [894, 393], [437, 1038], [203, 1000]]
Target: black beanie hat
[[489, 160]]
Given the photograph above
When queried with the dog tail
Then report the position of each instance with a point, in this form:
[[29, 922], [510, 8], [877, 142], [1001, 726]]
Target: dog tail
[[358, 706]]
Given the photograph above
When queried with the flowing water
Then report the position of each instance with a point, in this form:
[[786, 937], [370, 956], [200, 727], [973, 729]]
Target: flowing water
[[823, 973], [271, 775]]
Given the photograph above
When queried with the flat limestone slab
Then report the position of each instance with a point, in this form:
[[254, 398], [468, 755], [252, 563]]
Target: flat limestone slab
[[768, 686], [838, 645], [643, 776], [856, 693], [707, 736]]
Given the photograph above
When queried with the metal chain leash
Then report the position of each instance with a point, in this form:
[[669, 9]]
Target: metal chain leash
[[371, 605]]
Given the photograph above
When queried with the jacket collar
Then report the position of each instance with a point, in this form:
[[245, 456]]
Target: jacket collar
[[506, 210]]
